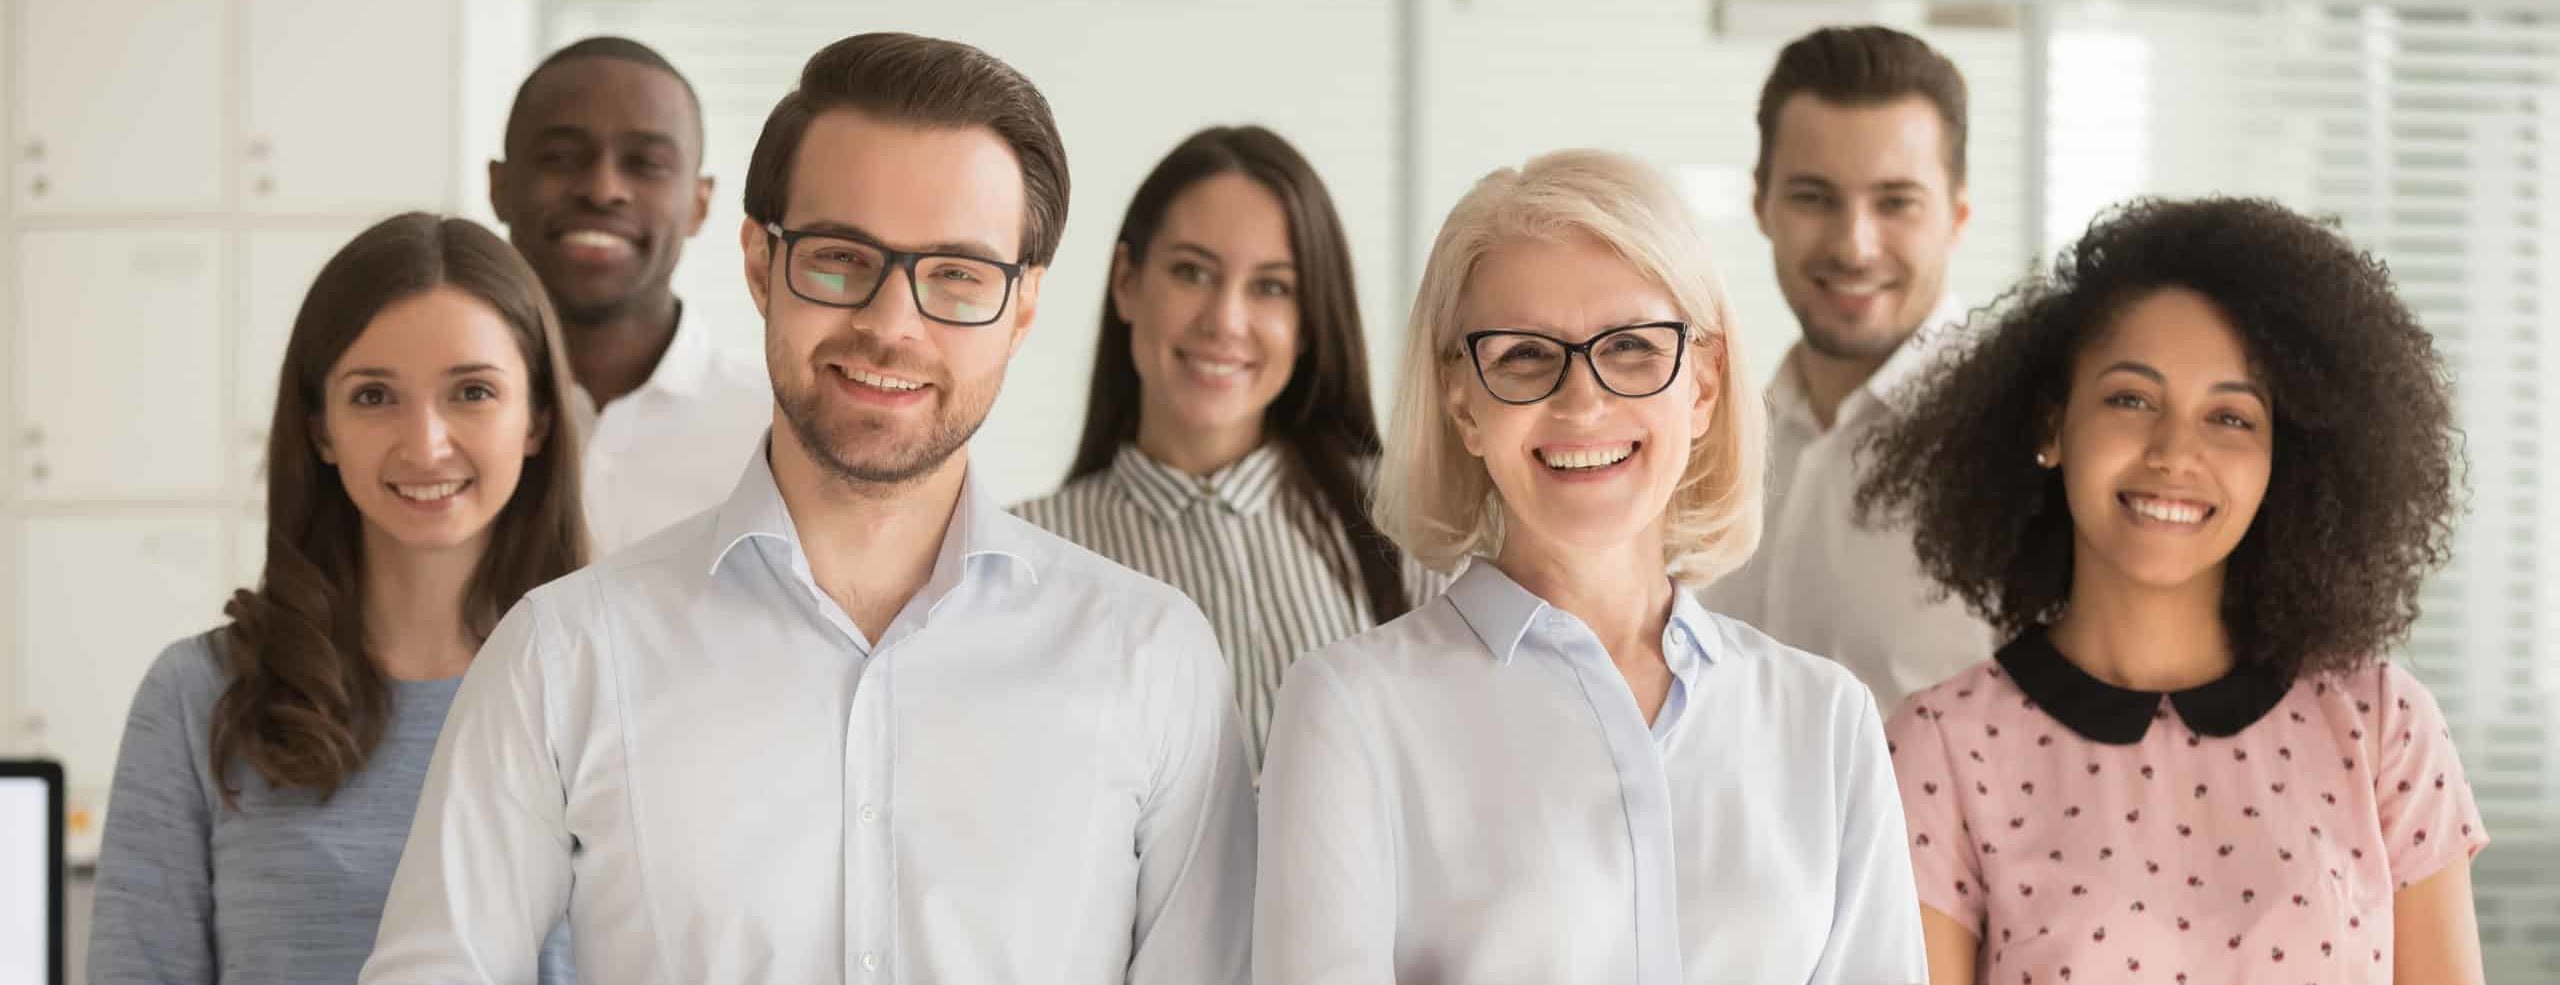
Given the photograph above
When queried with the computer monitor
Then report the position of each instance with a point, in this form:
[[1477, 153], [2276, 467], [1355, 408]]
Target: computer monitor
[[31, 908]]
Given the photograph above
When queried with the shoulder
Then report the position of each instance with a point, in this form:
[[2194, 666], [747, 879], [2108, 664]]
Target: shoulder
[[1063, 567], [1974, 694], [1800, 680], [189, 674], [1431, 640], [1059, 510]]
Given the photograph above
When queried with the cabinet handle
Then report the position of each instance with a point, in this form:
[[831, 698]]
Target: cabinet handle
[[257, 148], [35, 149], [266, 184], [39, 472], [40, 186], [34, 436]]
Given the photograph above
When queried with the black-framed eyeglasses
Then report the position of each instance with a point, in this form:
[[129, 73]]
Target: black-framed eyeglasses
[[1631, 361], [843, 272]]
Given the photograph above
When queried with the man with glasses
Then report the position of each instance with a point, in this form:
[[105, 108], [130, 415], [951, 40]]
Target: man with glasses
[[1860, 188], [600, 186], [857, 723]]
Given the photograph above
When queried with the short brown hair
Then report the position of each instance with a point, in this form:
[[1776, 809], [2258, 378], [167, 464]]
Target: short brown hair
[[1863, 66], [927, 82]]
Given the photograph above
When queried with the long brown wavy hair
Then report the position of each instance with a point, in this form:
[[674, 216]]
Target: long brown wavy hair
[[306, 705], [1322, 418]]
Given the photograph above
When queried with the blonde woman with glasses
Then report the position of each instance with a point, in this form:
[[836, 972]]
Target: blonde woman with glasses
[[1565, 768]]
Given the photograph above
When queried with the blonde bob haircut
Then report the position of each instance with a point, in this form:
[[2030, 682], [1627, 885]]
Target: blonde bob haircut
[[1435, 499]]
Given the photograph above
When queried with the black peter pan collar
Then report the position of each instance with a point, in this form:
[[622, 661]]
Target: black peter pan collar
[[2103, 712]]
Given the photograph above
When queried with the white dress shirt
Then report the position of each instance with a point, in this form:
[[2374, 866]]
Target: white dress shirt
[[1469, 794], [1825, 585], [669, 449], [1035, 775]]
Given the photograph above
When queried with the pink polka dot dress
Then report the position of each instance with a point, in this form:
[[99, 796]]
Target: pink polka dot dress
[[2249, 830]]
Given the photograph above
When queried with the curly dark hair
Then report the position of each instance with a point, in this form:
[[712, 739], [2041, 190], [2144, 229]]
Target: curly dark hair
[[2362, 488]]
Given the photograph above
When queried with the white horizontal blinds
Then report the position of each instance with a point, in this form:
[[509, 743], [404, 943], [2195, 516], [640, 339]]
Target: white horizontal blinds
[[2433, 131]]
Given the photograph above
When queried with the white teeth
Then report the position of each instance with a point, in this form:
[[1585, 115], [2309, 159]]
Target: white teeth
[[429, 494], [1216, 369], [884, 382], [1588, 458], [2166, 511], [595, 238]]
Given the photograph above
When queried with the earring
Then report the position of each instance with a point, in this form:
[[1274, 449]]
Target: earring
[[2042, 462]]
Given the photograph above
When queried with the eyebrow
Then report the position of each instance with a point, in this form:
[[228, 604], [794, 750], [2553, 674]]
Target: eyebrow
[[381, 373], [847, 230], [1213, 257], [2146, 372], [571, 131]]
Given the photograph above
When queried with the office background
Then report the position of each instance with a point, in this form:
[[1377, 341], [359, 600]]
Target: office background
[[177, 170]]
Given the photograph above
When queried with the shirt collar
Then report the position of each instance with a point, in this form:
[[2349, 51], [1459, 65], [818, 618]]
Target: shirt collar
[[2102, 712], [981, 538], [1244, 488], [1501, 613], [681, 368]]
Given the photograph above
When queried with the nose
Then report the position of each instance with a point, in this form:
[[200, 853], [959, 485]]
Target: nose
[[426, 438], [1227, 314], [602, 184], [893, 313], [2172, 447], [1854, 241], [1580, 398]]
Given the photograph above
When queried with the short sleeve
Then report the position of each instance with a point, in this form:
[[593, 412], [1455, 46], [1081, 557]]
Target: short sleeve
[[2429, 818], [1943, 861]]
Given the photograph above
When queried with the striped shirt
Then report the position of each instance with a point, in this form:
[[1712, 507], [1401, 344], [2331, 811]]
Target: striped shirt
[[1273, 572]]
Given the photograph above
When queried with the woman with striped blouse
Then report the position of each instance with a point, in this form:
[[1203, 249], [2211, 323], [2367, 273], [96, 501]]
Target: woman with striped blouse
[[1229, 441]]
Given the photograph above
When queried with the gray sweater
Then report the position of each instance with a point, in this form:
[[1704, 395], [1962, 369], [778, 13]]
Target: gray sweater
[[284, 890]]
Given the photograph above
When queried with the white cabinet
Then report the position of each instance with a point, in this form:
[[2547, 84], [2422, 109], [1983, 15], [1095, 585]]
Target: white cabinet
[[277, 266], [347, 106], [248, 552], [99, 596], [119, 344], [120, 106]]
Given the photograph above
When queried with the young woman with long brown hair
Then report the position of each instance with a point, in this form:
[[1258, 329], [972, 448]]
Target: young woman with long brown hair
[[1228, 439], [419, 482]]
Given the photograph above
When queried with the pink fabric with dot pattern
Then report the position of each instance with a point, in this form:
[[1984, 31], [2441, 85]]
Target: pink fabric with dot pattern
[[2268, 856]]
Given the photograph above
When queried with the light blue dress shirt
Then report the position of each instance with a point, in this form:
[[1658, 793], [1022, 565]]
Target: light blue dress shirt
[[1470, 794], [1035, 775]]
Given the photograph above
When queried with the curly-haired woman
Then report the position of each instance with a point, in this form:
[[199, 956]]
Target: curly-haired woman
[[2195, 475]]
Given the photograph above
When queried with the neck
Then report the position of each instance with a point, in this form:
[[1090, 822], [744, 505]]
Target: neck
[[1198, 452], [1829, 380], [1623, 595], [613, 357], [871, 546], [413, 607], [2141, 637]]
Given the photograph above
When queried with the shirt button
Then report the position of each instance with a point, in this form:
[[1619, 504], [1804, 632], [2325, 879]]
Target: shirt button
[[870, 960], [870, 813]]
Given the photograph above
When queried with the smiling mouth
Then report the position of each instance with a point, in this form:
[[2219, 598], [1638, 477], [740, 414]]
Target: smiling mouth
[[429, 492], [2184, 512], [879, 381], [1589, 458], [1215, 369]]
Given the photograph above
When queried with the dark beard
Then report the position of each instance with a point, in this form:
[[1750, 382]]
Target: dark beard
[[801, 411]]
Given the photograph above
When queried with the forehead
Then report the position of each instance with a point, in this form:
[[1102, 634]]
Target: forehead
[[605, 98], [1859, 143], [428, 332], [909, 185], [1229, 212], [2177, 331], [1573, 286]]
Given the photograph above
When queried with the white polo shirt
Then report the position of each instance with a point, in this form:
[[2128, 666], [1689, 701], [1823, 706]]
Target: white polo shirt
[[1820, 582], [669, 449]]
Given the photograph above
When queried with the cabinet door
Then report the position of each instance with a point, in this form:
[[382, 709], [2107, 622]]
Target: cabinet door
[[119, 345], [99, 596], [120, 106], [277, 266], [348, 107]]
